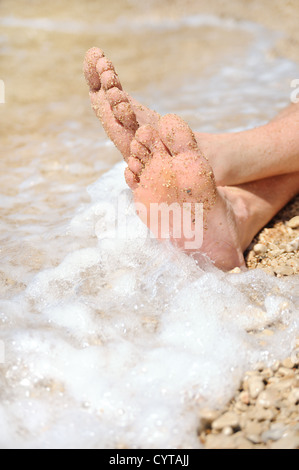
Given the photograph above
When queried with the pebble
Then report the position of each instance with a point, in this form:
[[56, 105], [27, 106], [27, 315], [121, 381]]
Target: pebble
[[281, 385], [288, 363], [227, 431], [293, 396], [285, 372], [259, 249], [293, 246], [294, 222], [275, 433], [227, 419], [259, 414], [207, 416], [255, 386], [235, 271], [244, 397], [268, 399], [284, 270]]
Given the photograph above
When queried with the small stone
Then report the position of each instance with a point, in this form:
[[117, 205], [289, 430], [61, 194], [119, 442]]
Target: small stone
[[268, 399], [293, 397], [284, 270], [285, 372], [254, 438], [235, 271], [261, 414], [244, 398], [239, 406], [253, 428], [255, 386], [283, 384], [208, 415], [272, 247], [259, 248], [294, 222], [288, 363], [227, 431], [274, 433], [227, 419]]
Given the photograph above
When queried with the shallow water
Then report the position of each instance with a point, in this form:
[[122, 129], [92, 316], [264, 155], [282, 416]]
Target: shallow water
[[113, 341]]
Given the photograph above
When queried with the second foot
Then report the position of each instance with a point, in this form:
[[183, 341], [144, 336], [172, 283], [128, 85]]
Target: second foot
[[166, 170]]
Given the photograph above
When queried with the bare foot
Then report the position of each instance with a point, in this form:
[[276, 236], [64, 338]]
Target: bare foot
[[166, 166], [118, 112]]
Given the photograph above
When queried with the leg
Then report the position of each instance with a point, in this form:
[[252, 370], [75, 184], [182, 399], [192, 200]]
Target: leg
[[166, 166], [263, 200], [236, 158], [258, 153]]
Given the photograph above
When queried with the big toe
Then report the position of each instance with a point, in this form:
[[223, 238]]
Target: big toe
[[177, 135]]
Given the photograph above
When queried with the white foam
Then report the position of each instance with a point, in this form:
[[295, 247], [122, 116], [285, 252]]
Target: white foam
[[125, 342]]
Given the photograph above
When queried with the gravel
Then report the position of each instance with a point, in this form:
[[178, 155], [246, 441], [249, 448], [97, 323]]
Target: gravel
[[264, 413]]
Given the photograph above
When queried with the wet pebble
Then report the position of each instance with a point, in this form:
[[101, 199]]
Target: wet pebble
[[283, 270], [268, 399], [275, 433], [264, 412], [294, 222], [259, 249], [227, 419], [255, 386]]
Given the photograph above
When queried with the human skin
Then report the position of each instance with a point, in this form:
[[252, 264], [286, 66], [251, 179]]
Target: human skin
[[242, 179]]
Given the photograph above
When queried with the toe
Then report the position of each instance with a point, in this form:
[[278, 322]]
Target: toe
[[109, 79], [131, 179], [124, 113], [90, 72], [121, 108], [135, 165], [140, 151], [103, 65], [116, 96], [177, 135], [149, 138]]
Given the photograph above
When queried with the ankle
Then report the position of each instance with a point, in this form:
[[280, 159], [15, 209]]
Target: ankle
[[242, 212], [214, 148]]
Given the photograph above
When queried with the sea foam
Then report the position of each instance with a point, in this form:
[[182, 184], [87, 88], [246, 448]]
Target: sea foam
[[127, 340]]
